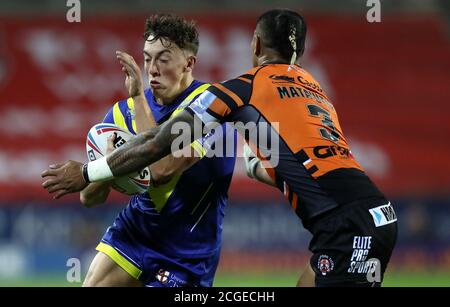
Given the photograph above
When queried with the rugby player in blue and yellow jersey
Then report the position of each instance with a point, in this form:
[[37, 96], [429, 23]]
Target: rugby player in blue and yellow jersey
[[170, 236]]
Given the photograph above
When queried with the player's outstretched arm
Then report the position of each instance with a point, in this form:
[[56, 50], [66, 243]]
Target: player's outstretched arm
[[97, 193], [142, 150], [150, 146]]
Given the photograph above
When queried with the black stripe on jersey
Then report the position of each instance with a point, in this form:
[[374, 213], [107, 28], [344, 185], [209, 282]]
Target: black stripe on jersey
[[190, 111], [290, 196], [240, 88], [313, 198], [302, 156], [312, 169], [225, 98], [247, 76], [214, 114]]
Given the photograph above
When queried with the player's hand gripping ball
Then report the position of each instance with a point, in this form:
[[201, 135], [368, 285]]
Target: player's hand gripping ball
[[97, 147]]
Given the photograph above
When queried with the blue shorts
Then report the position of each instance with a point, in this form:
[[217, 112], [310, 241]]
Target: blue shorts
[[152, 268]]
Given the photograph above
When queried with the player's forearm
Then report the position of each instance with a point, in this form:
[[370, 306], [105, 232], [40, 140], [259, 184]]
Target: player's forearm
[[163, 170], [140, 151], [95, 194], [137, 153], [262, 175], [144, 149], [169, 166], [143, 114]]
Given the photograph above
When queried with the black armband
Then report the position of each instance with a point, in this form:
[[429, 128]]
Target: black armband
[[84, 169]]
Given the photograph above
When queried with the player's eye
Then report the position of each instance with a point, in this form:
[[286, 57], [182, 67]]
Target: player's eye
[[147, 60]]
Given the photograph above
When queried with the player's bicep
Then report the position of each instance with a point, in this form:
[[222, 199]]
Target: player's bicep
[[177, 133]]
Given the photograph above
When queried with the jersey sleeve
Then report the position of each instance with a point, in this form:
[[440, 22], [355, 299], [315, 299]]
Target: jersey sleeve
[[214, 140], [109, 117], [221, 141], [118, 115], [220, 100]]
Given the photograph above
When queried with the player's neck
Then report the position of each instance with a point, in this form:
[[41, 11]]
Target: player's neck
[[273, 61], [271, 57]]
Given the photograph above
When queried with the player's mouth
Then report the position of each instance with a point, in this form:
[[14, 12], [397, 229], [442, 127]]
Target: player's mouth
[[155, 84]]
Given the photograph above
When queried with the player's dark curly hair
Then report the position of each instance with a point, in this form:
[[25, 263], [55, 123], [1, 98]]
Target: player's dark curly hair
[[283, 30], [173, 28]]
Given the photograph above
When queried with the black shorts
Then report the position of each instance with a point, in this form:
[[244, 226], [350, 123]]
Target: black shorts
[[352, 245]]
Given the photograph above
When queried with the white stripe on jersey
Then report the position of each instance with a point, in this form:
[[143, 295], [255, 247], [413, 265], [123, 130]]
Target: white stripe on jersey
[[201, 104]]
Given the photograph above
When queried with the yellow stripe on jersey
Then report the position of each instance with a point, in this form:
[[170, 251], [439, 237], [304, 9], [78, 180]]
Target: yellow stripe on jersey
[[196, 145], [121, 261], [130, 103], [161, 193], [189, 98], [119, 119]]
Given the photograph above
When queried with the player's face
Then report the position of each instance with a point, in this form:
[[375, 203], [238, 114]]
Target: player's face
[[166, 67]]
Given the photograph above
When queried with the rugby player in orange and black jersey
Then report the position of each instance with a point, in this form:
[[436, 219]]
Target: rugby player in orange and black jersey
[[353, 225]]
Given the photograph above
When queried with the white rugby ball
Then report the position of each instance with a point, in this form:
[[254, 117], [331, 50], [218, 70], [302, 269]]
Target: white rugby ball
[[96, 146]]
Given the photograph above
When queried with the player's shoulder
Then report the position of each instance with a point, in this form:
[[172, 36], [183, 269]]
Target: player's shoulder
[[249, 75], [195, 90], [129, 102], [121, 104], [198, 87]]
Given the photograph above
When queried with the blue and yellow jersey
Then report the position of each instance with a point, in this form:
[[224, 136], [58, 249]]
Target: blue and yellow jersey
[[184, 216]]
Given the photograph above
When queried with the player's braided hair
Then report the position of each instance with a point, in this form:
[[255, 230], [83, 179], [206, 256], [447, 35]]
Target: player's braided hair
[[293, 44], [173, 28], [284, 31]]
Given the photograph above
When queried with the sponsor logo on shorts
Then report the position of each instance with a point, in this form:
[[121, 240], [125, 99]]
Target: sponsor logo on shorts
[[325, 264], [169, 279], [359, 264], [163, 276], [383, 215]]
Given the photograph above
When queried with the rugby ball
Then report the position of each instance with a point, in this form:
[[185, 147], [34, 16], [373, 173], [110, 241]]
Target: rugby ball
[[96, 146]]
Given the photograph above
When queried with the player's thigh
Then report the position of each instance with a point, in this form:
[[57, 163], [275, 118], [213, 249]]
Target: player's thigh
[[104, 272], [308, 277]]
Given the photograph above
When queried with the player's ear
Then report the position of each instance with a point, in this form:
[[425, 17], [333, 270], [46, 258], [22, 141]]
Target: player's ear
[[256, 44], [190, 63]]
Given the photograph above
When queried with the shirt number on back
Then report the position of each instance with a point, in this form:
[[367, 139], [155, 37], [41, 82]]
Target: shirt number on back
[[331, 133]]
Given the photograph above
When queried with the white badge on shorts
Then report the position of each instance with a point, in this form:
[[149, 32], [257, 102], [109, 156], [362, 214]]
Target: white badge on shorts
[[383, 215]]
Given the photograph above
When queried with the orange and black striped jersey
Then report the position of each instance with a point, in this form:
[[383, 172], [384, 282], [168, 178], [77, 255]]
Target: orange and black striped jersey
[[315, 167]]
